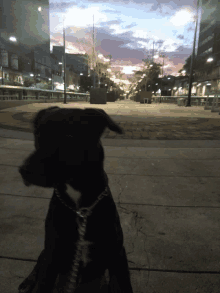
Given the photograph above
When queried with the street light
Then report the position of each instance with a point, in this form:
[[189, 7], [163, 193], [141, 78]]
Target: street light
[[13, 39], [210, 59], [192, 59]]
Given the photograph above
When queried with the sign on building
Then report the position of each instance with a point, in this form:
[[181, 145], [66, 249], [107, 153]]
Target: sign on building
[[4, 58], [14, 62]]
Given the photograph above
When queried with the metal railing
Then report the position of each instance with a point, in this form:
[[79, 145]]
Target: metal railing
[[70, 96], [9, 97], [195, 100]]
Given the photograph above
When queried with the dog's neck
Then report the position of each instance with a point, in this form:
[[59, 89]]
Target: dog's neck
[[73, 193], [89, 192]]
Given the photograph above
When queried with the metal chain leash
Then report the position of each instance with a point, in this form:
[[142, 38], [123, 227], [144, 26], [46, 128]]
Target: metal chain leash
[[82, 213]]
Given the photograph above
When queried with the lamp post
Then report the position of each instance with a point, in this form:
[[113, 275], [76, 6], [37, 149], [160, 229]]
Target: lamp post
[[2, 69], [192, 60], [64, 59], [93, 54]]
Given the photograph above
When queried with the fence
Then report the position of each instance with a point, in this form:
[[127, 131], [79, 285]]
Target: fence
[[195, 100], [9, 97], [56, 96]]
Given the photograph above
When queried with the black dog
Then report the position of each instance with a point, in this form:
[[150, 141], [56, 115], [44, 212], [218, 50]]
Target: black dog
[[69, 156]]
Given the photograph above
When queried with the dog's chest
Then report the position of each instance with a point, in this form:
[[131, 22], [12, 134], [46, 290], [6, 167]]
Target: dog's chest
[[75, 196]]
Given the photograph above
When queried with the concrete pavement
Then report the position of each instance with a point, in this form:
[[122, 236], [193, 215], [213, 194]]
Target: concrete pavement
[[167, 194], [140, 121]]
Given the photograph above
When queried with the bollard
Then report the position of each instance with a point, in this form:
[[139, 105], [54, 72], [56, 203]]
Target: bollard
[[215, 107], [207, 107]]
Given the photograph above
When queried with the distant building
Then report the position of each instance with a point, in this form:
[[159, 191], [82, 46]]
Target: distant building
[[209, 47], [25, 36], [76, 66], [77, 62], [209, 35]]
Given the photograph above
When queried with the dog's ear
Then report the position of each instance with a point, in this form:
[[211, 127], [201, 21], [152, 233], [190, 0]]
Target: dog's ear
[[100, 120]]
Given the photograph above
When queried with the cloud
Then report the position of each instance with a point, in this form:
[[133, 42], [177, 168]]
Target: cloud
[[111, 37], [130, 25], [111, 22], [111, 11], [182, 17], [61, 6], [190, 28], [181, 37]]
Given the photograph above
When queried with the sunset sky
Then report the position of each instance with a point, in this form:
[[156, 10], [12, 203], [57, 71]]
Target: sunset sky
[[126, 30]]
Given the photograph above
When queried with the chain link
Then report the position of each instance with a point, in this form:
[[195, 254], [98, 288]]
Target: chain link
[[82, 213]]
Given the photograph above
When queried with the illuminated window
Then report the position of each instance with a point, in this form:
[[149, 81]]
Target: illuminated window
[[206, 40], [208, 26], [207, 51]]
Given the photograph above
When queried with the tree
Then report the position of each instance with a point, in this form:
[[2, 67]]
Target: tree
[[150, 71], [154, 71]]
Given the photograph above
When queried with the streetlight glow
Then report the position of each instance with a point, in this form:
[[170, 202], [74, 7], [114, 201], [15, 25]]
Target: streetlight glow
[[210, 59], [13, 39]]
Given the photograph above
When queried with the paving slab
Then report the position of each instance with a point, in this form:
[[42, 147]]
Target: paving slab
[[164, 178], [152, 237], [139, 121], [167, 195], [14, 271]]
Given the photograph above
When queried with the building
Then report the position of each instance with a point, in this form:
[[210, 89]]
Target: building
[[181, 86], [25, 38], [208, 75], [77, 62], [77, 68]]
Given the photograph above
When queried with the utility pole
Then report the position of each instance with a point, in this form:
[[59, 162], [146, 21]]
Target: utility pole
[[163, 67], [64, 61], [153, 53], [192, 60], [93, 56], [2, 69]]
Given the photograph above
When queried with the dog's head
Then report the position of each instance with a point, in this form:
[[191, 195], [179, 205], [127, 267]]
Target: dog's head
[[68, 146]]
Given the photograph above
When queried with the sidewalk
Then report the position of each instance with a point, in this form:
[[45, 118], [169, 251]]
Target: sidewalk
[[166, 192], [140, 121]]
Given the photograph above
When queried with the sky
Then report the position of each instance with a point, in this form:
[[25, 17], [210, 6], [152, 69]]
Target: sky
[[127, 30]]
